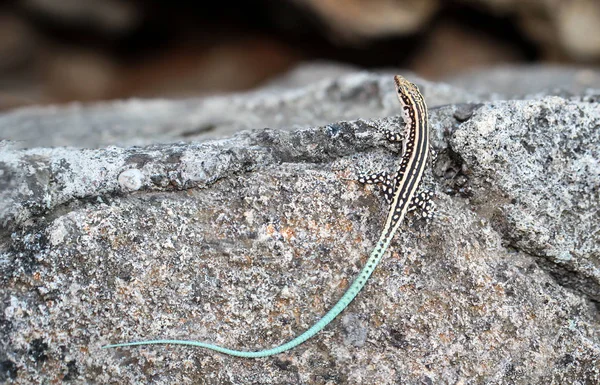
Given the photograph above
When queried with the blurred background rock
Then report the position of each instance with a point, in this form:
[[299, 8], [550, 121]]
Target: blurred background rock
[[54, 51]]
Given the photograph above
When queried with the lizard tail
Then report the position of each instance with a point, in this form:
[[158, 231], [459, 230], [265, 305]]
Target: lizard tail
[[343, 302]]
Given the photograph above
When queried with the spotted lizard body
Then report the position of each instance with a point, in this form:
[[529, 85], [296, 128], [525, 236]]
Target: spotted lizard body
[[401, 192]]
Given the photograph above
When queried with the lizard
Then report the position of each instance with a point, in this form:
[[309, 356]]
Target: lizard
[[401, 191]]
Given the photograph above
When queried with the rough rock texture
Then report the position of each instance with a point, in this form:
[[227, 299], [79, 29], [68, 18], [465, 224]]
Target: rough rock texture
[[246, 241], [135, 122]]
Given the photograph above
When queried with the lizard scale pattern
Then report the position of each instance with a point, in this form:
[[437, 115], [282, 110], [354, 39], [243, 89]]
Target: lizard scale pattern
[[400, 190]]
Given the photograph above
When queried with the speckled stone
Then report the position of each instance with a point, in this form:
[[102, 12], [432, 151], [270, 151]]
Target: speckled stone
[[246, 241]]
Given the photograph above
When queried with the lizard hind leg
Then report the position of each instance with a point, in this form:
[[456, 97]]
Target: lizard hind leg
[[425, 207], [386, 182]]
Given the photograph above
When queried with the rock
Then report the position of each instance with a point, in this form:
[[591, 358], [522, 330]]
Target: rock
[[355, 19], [538, 163], [246, 241], [529, 82], [137, 122], [567, 29]]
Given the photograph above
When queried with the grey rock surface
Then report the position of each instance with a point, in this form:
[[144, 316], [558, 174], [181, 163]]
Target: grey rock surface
[[527, 82], [246, 241], [136, 122]]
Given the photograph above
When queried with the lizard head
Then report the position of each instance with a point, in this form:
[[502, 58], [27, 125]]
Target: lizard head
[[407, 91]]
